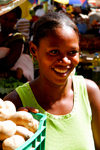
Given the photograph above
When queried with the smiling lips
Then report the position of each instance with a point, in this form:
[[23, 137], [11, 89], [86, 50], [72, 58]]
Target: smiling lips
[[61, 70]]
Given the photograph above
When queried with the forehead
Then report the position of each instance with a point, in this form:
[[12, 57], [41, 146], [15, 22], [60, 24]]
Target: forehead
[[65, 32], [61, 35]]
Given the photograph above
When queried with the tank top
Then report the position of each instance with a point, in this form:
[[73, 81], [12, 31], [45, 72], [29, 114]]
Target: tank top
[[65, 132]]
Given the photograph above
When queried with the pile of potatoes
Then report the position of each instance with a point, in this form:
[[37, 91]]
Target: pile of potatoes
[[15, 126]]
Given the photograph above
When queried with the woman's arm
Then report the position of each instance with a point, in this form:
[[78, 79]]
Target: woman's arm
[[14, 98], [94, 98]]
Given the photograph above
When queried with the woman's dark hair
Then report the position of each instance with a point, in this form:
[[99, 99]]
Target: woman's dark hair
[[48, 23]]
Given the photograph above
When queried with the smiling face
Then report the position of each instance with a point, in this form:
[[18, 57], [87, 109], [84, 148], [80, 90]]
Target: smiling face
[[58, 55]]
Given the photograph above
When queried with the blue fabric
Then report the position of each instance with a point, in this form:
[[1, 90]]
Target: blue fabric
[[75, 2], [33, 1], [85, 4], [82, 27]]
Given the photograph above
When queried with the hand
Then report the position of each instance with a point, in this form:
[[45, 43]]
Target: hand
[[28, 109]]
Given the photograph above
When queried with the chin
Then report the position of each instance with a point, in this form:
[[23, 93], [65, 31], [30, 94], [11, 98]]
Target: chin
[[59, 82]]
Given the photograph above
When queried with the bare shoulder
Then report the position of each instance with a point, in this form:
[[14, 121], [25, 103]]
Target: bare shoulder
[[93, 92], [94, 98], [13, 97]]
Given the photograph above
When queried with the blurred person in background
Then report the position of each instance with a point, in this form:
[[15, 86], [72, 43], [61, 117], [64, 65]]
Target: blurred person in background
[[12, 47]]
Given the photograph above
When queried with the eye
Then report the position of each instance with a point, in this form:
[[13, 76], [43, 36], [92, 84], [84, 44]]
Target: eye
[[53, 52], [73, 53]]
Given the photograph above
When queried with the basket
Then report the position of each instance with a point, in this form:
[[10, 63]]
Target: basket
[[37, 141]]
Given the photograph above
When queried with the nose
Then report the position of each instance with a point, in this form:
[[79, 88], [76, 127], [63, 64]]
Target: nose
[[65, 60]]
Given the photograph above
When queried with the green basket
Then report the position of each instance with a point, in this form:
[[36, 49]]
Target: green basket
[[37, 141]]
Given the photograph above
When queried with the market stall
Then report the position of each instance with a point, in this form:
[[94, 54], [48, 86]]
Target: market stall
[[12, 43]]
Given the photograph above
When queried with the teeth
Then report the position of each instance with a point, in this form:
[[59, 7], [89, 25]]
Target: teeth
[[60, 70]]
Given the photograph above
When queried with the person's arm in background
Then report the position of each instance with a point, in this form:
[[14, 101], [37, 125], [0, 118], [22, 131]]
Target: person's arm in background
[[16, 47], [94, 97]]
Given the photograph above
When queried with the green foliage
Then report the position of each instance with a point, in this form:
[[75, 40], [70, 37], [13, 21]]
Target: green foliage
[[9, 84]]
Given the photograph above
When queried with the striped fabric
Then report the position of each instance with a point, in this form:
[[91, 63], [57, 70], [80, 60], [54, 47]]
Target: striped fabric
[[23, 26]]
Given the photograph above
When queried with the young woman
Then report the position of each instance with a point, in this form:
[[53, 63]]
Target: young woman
[[71, 103]]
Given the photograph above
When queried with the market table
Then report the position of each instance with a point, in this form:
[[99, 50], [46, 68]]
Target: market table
[[85, 68]]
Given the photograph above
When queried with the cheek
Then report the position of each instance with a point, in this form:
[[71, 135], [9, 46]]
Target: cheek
[[44, 59], [43, 63], [75, 60]]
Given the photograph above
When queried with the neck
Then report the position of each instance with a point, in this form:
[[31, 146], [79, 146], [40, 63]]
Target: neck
[[49, 93]]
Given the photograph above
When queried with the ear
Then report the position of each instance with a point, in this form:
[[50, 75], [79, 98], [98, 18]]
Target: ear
[[33, 49]]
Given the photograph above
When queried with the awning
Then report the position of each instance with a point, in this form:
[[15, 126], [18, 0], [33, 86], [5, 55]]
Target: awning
[[9, 5], [62, 1]]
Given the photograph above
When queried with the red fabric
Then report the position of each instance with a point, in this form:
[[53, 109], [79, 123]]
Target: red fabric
[[82, 1], [34, 18]]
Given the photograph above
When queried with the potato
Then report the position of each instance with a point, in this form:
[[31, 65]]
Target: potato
[[23, 118], [7, 109], [2, 110], [7, 129], [13, 142], [20, 130]]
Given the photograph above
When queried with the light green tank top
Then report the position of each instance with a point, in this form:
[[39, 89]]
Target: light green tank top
[[66, 132]]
